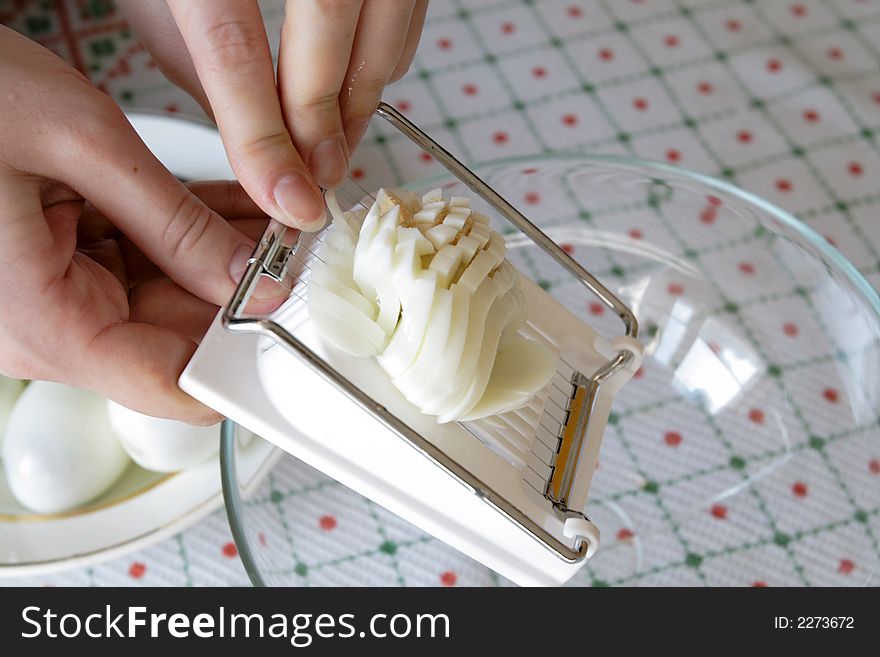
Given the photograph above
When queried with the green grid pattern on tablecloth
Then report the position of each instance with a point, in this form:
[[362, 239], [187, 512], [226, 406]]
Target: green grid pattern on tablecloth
[[779, 97]]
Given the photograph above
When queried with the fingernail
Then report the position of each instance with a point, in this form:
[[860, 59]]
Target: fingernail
[[239, 261], [266, 289], [301, 204], [328, 163]]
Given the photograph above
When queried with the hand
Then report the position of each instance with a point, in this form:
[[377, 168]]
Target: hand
[[110, 268], [335, 60]]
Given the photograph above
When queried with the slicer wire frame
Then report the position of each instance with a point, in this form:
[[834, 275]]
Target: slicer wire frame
[[270, 259]]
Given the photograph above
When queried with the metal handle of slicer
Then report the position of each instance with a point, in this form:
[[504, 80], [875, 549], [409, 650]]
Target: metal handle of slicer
[[278, 244], [560, 494], [493, 198]]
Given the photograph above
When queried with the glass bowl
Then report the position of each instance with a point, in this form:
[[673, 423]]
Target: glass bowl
[[745, 452]]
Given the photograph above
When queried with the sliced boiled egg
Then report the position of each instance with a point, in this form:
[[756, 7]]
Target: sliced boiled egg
[[423, 285]]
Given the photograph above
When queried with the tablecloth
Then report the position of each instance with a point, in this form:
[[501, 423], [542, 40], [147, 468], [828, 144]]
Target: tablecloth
[[780, 97]]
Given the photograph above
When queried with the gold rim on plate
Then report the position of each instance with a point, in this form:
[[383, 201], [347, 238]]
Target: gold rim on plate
[[97, 506]]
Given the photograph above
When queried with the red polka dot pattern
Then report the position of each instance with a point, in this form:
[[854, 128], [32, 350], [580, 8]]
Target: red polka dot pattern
[[448, 578], [672, 438]]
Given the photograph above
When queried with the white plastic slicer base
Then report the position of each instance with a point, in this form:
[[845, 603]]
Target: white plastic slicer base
[[268, 389]]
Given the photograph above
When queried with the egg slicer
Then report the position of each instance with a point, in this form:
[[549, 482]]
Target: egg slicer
[[511, 490]]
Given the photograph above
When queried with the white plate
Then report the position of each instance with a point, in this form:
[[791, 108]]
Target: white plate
[[143, 507]]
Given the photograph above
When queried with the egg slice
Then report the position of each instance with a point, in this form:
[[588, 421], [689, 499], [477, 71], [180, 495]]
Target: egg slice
[[162, 445], [423, 286], [60, 451]]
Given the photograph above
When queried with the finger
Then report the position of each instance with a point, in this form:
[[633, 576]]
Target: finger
[[132, 363], [94, 227], [139, 268], [230, 51], [380, 39], [227, 198], [156, 29], [316, 43], [107, 254], [161, 302], [63, 221], [106, 162], [413, 35], [252, 228], [43, 281], [87, 144], [29, 254], [138, 365]]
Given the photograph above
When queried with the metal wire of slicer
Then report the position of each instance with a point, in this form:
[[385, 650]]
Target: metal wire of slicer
[[271, 259]]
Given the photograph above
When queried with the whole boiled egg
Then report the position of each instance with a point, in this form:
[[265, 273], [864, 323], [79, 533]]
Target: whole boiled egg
[[162, 445], [59, 449], [10, 389]]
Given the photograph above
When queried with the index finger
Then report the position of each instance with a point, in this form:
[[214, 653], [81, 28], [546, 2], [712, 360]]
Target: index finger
[[228, 44]]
